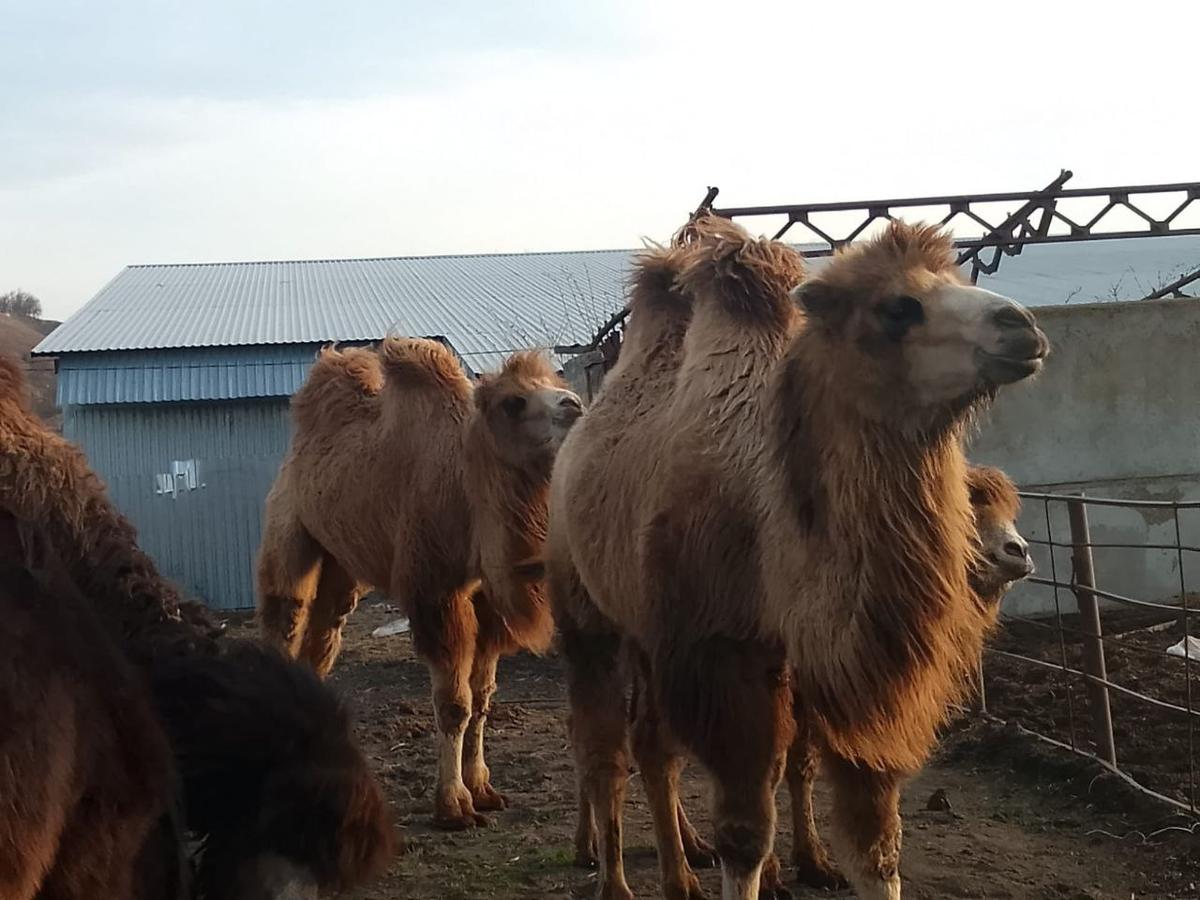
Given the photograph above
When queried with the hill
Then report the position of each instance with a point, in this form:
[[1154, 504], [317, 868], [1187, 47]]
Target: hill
[[18, 336]]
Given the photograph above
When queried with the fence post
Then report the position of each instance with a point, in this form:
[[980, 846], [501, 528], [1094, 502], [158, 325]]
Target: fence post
[[1089, 616]]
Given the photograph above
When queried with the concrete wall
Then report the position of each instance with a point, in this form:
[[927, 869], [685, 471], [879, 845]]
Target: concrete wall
[[1116, 413]]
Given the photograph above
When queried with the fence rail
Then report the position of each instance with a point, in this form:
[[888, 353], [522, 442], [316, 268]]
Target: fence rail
[[1137, 722]]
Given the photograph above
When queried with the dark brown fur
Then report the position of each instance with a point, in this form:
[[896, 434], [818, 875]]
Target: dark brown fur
[[94, 604]]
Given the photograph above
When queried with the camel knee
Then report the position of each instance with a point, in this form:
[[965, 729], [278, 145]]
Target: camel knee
[[452, 715]]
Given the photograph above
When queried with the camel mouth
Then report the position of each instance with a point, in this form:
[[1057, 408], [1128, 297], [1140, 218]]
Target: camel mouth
[[1010, 568], [1000, 369]]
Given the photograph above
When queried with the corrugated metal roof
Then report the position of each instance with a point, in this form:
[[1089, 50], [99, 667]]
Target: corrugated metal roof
[[485, 306], [488, 305], [163, 376]]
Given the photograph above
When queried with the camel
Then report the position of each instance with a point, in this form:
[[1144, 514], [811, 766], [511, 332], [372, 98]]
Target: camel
[[140, 727], [786, 500], [1003, 560], [404, 476]]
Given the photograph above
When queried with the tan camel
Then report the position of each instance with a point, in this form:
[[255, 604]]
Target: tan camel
[[405, 477], [802, 466], [1003, 560]]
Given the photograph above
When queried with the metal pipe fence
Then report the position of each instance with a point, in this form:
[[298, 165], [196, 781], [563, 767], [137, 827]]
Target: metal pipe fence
[[1077, 681]]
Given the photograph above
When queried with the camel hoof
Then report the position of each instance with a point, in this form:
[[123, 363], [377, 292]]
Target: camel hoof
[[614, 892], [456, 812], [689, 890], [771, 886], [819, 874], [489, 799]]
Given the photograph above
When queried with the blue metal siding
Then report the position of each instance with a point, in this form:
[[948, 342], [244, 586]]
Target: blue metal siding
[[192, 477], [164, 376]]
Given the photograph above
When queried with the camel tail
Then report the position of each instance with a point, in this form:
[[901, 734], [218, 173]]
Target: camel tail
[[340, 383], [750, 278]]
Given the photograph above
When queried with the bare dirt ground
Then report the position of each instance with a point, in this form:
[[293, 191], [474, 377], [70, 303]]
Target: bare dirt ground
[[1026, 822]]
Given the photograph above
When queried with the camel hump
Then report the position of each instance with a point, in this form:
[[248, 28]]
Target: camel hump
[[12, 382], [654, 288], [749, 277], [420, 362], [339, 382]]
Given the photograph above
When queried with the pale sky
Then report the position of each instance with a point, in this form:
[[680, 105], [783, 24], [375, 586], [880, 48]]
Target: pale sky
[[137, 132]]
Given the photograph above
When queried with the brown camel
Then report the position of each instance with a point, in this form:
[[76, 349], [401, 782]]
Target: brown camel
[[405, 477], [138, 725], [791, 496], [1003, 560]]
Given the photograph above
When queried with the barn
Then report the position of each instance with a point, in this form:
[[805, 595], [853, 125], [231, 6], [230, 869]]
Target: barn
[[175, 379]]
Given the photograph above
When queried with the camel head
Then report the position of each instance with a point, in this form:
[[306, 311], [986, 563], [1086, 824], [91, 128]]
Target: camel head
[[1003, 552], [907, 340], [526, 410]]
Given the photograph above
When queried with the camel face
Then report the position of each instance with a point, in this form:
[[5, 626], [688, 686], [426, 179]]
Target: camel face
[[924, 345], [1003, 554], [528, 417], [961, 341]]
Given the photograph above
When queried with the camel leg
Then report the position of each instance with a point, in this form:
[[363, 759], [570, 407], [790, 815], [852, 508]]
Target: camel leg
[[337, 595], [598, 730], [476, 774], [585, 831], [699, 852], [289, 567], [444, 634], [809, 858], [730, 703], [660, 763], [866, 827]]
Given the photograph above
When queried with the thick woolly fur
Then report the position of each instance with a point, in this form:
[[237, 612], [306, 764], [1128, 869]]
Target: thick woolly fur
[[406, 477], [757, 479], [136, 725]]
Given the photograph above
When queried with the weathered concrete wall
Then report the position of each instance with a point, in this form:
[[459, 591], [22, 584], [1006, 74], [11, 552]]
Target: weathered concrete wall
[[1116, 413]]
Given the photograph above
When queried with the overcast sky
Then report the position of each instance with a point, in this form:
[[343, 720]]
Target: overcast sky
[[138, 132]]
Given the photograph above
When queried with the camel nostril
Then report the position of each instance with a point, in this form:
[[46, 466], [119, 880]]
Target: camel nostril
[[1019, 551], [1013, 316], [571, 403]]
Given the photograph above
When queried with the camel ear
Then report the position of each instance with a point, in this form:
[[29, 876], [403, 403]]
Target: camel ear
[[816, 298]]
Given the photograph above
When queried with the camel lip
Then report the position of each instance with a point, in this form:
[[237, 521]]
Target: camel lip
[[1001, 369]]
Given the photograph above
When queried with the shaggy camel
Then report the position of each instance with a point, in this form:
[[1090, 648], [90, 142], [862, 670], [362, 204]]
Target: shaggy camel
[[405, 477], [126, 694], [791, 495], [1003, 559]]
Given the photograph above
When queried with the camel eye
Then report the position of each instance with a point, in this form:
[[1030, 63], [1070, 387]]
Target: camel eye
[[900, 314], [513, 406]]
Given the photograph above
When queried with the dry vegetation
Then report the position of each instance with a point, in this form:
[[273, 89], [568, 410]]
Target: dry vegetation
[[19, 335]]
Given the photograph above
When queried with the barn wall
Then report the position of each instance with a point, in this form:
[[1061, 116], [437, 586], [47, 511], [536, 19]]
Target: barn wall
[[192, 477], [1115, 414]]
